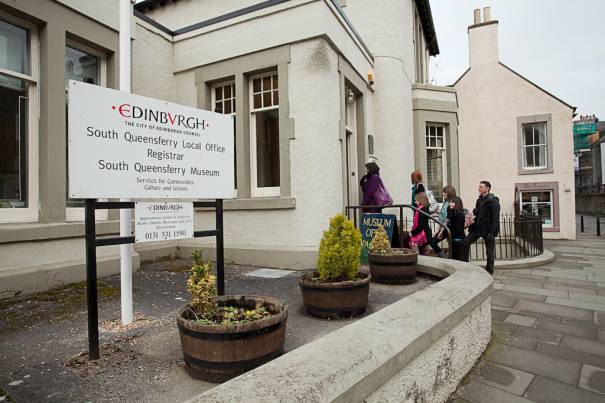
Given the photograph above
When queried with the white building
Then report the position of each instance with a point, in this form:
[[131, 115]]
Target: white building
[[316, 86], [514, 134]]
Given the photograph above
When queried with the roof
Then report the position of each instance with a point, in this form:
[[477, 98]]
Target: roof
[[146, 5], [523, 78], [426, 19]]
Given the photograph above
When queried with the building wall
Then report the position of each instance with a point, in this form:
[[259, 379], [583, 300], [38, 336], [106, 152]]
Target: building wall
[[388, 32], [491, 98]]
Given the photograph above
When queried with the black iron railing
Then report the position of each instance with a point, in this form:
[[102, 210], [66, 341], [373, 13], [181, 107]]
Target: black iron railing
[[520, 235]]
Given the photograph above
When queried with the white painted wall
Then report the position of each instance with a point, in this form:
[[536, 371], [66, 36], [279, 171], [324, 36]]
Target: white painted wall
[[490, 99], [388, 31]]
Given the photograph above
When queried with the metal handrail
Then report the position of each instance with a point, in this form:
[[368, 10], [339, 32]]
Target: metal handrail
[[401, 207]]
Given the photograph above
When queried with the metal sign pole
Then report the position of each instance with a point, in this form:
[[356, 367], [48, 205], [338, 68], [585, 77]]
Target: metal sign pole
[[91, 280], [220, 250]]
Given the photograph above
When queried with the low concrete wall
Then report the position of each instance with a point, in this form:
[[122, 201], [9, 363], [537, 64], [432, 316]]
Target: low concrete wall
[[417, 349], [590, 204]]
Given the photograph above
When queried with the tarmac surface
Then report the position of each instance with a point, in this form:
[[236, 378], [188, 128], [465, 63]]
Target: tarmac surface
[[43, 337]]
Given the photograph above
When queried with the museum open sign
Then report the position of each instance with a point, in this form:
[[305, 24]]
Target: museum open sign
[[123, 145]]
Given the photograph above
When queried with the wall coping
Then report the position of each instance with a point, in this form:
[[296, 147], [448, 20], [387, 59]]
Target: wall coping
[[350, 363]]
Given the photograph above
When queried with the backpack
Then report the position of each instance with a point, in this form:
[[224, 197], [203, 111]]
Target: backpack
[[433, 205], [469, 219], [382, 196]]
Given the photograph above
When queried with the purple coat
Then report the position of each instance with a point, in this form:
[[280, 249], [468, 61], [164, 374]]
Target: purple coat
[[369, 187]]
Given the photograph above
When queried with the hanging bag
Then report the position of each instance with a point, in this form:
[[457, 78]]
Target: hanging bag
[[382, 196]]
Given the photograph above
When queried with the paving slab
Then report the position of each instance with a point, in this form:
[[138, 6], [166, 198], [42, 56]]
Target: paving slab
[[478, 392], [572, 355], [515, 340], [544, 336], [520, 320], [536, 291], [576, 303], [269, 273], [535, 363], [599, 318], [556, 310], [599, 299], [558, 286], [579, 344], [593, 379], [508, 379], [519, 295], [503, 300], [499, 315], [525, 282], [584, 332], [547, 390], [503, 327]]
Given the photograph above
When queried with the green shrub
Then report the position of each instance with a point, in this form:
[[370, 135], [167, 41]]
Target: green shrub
[[201, 285], [380, 244], [339, 251]]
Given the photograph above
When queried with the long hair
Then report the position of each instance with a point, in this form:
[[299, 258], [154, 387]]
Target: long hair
[[450, 192], [458, 206], [373, 169], [416, 177]]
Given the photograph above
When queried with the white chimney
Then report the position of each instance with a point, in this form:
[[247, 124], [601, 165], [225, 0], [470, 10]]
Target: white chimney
[[483, 40], [477, 16]]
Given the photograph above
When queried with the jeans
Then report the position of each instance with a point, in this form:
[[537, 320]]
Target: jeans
[[434, 241], [490, 248]]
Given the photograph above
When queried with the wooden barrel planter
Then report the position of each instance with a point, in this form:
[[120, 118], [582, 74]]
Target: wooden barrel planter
[[343, 299], [393, 269], [217, 353]]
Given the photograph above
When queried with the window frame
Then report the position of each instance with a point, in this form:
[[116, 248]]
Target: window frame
[[444, 155], [75, 214], [521, 168], [274, 191], [233, 113], [553, 187], [31, 212], [533, 146]]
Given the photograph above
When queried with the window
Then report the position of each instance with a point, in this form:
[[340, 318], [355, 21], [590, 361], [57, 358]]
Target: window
[[223, 101], [436, 159], [264, 135], [86, 65], [18, 129], [535, 148], [539, 203]]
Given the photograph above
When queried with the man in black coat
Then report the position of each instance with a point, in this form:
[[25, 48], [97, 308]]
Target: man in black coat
[[486, 225]]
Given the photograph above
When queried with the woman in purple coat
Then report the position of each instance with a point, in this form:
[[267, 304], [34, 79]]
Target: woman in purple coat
[[369, 185]]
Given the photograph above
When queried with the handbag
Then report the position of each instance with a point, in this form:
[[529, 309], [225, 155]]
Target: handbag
[[382, 196]]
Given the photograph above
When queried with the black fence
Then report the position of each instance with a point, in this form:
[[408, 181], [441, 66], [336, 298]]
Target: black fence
[[520, 235]]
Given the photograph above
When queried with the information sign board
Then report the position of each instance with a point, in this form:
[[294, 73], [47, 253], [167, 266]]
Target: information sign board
[[163, 221]]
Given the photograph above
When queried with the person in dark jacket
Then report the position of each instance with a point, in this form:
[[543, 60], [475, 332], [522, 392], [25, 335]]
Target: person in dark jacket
[[369, 185], [421, 231], [486, 224], [455, 220], [449, 193]]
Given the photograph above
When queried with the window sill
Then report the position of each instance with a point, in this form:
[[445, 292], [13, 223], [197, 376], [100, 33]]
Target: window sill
[[535, 171], [25, 232], [259, 203], [551, 229]]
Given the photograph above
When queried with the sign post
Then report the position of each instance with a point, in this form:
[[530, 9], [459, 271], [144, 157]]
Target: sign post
[[125, 146]]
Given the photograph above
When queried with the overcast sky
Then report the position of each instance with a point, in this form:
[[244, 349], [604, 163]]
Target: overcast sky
[[557, 44]]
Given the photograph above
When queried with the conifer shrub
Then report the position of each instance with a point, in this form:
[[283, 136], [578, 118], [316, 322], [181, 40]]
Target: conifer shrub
[[380, 244], [201, 285], [339, 251]]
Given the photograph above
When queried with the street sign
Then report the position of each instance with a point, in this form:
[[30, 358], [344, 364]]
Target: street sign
[[163, 221], [129, 146]]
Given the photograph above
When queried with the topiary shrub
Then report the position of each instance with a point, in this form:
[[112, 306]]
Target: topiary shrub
[[201, 285], [380, 244], [339, 251]]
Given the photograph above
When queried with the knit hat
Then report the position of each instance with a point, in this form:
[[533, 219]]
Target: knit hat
[[373, 159]]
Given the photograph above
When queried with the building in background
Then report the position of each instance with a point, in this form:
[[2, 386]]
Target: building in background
[[514, 134], [584, 130]]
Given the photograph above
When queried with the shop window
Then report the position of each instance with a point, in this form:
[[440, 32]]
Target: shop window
[[264, 135], [539, 203], [223, 101]]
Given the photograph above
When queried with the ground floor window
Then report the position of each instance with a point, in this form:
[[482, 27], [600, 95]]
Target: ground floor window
[[223, 101], [539, 203], [436, 159], [264, 135]]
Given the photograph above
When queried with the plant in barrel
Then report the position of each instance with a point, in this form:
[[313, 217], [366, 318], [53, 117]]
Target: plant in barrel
[[337, 289], [224, 336], [391, 265]]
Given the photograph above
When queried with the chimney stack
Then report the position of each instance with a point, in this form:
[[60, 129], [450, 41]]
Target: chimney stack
[[487, 15], [477, 14]]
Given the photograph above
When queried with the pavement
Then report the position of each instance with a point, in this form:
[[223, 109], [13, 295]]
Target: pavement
[[43, 337], [548, 331]]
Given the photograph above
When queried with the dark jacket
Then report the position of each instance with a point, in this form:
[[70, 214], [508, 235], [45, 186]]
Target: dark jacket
[[369, 185], [456, 223], [487, 215], [417, 188], [423, 224]]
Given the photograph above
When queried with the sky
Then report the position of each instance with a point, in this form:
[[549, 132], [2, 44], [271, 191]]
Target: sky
[[557, 44]]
